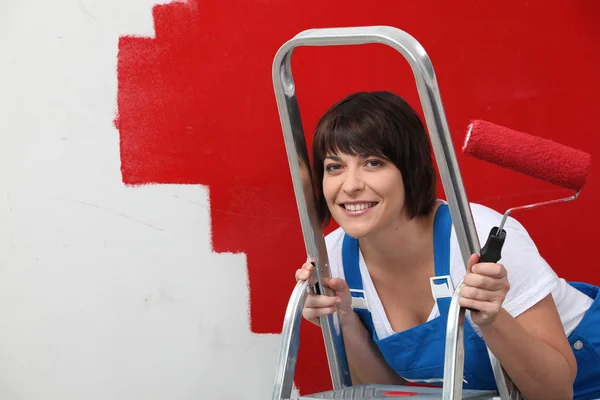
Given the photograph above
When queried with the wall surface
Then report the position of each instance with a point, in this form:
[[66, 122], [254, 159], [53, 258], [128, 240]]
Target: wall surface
[[148, 230]]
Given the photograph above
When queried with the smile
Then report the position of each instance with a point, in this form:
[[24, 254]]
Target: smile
[[358, 208]]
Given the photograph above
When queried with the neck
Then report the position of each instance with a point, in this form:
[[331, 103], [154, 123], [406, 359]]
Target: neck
[[402, 245]]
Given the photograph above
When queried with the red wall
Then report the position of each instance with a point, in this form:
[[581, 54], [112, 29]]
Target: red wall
[[196, 106]]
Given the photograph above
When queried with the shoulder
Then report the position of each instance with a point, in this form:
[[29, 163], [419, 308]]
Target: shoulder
[[334, 239], [517, 237], [333, 244], [485, 218], [518, 241]]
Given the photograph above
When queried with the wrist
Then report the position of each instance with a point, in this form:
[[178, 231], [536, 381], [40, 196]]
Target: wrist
[[497, 323], [348, 319]]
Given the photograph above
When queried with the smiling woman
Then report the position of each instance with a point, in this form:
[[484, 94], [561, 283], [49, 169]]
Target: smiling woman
[[373, 161], [391, 133], [362, 186]]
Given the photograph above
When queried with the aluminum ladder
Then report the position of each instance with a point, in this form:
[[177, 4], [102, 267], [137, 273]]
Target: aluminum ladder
[[456, 197]]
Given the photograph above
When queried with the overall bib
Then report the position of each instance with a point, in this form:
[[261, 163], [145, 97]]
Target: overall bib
[[417, 354]]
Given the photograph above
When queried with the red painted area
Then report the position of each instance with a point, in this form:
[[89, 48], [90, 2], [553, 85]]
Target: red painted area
[[399, 394], [196, 106]]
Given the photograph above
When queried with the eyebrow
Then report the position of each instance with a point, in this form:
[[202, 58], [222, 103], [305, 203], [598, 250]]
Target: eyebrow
[[362, 155]]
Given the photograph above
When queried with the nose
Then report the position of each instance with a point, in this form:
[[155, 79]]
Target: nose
[[352, 182]]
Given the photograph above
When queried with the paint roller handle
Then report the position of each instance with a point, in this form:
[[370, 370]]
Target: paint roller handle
[[492, 250]]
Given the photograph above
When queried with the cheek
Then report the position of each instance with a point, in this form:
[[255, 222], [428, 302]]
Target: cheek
[[328, 191], [392, 187], [331, 189]]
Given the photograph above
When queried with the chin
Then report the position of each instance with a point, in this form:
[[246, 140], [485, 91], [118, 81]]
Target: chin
[[357, 236], [358, 227], [355, 230]]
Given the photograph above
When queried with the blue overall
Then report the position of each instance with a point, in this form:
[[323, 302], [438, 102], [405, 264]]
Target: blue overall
[[417, 354], [585, 342]]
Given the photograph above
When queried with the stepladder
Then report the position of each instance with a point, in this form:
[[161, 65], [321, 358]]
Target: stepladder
[[297, 155]]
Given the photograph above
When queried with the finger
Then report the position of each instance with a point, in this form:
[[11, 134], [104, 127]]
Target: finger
[[492, 270], [474, 259], [314, 313], [321, 301], [484, 282], [339, 285], [473, 293], [302, 275], [485, 307], [309, 266], [304, 272]]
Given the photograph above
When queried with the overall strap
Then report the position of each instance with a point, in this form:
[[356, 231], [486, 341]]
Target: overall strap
[[441, 284], [350, 262]]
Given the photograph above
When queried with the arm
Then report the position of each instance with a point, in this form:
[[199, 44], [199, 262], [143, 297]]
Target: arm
[[367, 365], [534, 351], [532, 348]]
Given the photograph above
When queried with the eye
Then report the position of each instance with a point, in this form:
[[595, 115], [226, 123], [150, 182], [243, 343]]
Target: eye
[[332, 167], [374, 163]]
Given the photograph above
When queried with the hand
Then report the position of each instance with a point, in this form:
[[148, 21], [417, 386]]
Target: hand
[[484, 290], [321, 305]]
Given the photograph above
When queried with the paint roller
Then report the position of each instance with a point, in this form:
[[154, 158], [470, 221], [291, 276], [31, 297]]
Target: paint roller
[[534, 156]]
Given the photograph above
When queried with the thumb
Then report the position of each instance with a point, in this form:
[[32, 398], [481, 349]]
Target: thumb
[[342, 291], [339, 285]]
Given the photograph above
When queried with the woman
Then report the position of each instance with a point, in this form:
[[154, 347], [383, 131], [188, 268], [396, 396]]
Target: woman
[[372, 155]]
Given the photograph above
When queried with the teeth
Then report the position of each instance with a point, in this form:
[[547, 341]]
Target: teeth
[[358, 207]]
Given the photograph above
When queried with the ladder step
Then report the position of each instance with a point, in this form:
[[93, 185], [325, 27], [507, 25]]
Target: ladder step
[[389, 392]]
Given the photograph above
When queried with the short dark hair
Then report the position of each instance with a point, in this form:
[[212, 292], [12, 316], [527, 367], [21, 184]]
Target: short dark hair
[[378, 124]]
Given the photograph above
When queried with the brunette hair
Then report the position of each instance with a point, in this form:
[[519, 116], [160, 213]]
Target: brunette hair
[[378, 124]]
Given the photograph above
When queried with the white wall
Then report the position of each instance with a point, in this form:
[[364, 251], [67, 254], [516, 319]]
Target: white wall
[[106, 291]]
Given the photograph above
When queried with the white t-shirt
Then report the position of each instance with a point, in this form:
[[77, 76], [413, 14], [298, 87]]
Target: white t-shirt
[[530, 277]]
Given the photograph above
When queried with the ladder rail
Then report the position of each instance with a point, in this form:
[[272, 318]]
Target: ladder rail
[[441, 141], [290, 336]]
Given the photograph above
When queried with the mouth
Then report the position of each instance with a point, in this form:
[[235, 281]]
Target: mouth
[[357, 208]]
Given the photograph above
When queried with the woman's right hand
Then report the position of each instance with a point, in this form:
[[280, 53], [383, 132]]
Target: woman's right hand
[[321, 305]]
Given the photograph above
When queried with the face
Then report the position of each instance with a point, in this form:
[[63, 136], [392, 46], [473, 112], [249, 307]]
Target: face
[[364, 194]]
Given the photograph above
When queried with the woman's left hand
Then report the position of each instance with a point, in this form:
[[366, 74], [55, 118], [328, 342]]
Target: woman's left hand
[[485, 289]]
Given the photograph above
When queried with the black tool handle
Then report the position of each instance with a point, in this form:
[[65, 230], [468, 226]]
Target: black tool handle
[[317, 286], [492, 250]]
